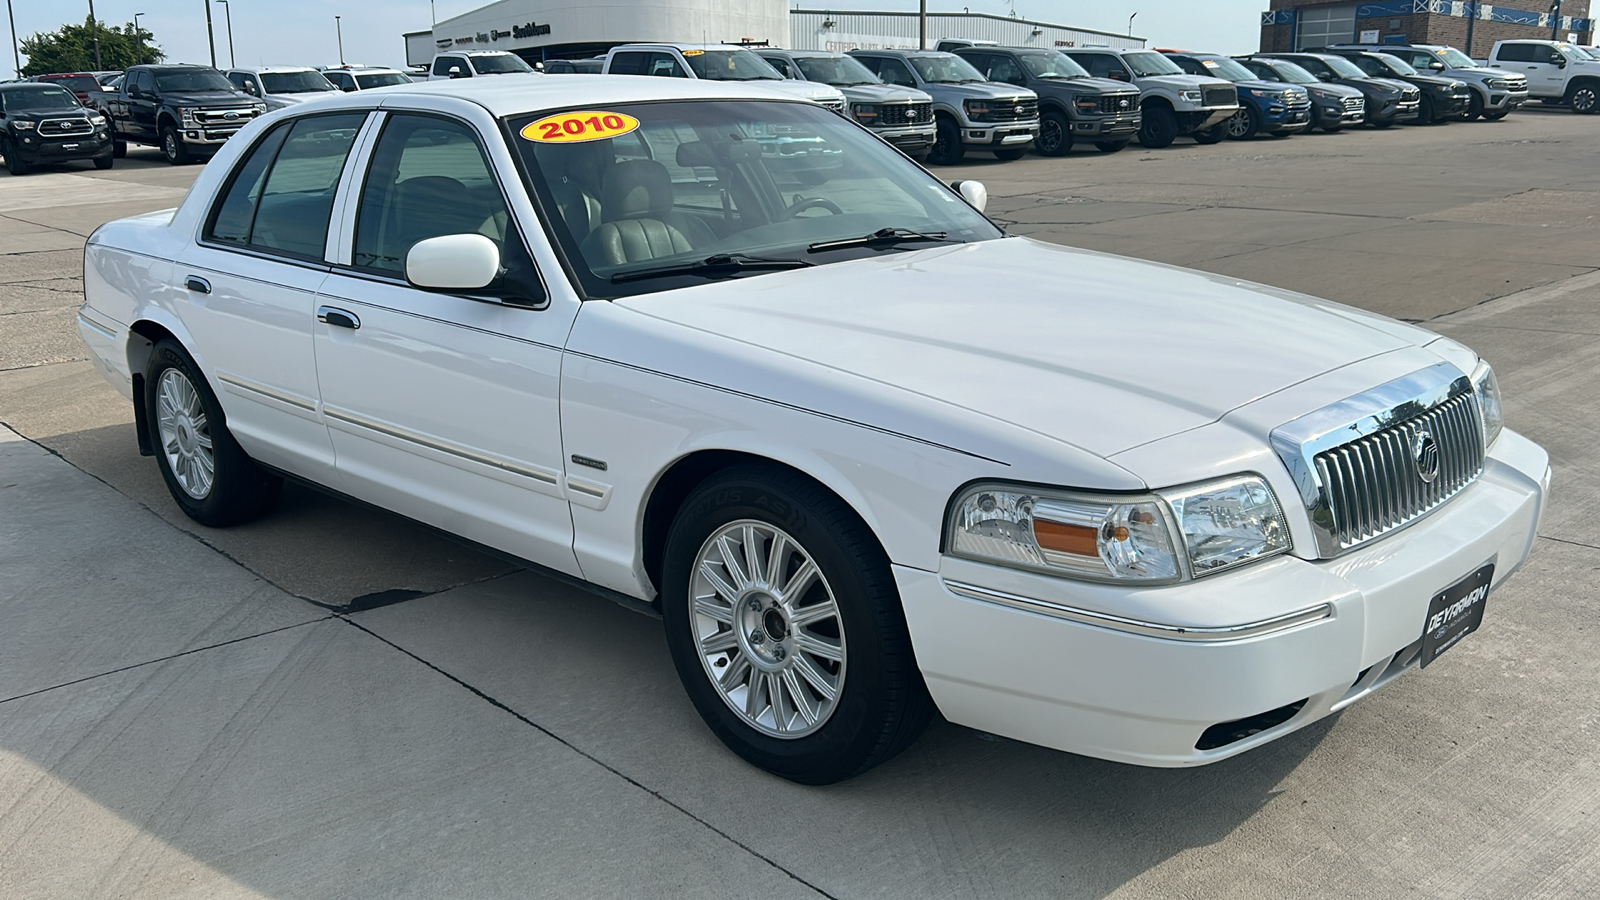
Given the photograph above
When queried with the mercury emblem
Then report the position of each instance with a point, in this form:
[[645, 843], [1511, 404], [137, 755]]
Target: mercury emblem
[[1425, 452]]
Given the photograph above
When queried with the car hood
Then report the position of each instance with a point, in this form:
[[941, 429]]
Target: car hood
[[1094, 85], [208, 98], [39, 115], [805, 90], [1330, 88], [884, 93], [1099, 351], [1431, 79], [978, 90], [1387, 84], [1184, 82]]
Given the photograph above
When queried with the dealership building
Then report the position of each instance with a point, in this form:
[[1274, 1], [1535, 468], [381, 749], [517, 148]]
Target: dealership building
[[563, 29], [1300, 24]]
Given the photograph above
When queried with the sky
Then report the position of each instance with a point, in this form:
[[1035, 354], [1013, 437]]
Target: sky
[[301, 32]]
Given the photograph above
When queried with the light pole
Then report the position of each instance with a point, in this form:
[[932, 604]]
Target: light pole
[[211, 36], [1130, 23], [1555, 19], [94, 27], [16, 55], [922, 25], [338, 29], [228, 11]]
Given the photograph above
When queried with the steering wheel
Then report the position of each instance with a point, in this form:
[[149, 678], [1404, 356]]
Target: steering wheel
[[802, 205]]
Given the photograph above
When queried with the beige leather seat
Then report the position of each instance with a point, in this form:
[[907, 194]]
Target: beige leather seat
[[640, 223]]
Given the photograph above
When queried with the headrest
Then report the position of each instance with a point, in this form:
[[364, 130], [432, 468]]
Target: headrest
[[637, 188]]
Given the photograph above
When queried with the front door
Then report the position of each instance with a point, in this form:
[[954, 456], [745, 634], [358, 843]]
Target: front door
[[443, 406]]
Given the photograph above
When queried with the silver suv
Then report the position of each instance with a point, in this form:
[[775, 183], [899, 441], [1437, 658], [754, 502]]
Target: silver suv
[[970, 113]]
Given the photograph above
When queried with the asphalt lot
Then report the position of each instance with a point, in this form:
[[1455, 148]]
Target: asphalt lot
[[332, 702]]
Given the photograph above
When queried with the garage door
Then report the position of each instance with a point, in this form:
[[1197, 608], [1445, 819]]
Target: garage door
[[1321, 26]]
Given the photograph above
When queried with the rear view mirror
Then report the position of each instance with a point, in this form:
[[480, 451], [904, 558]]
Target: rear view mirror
[[453, 262], [974, 193]]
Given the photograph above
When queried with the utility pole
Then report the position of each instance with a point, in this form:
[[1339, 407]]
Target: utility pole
[[94, 28], [210, 36], [1555, 19], [338, 29], [1472, 20], [16, 55], [228, 9], [922, 25]]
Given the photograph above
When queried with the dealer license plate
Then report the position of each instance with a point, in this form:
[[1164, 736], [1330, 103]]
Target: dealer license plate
[[1454, 613]]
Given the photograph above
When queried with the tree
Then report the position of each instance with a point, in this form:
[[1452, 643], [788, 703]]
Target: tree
[[71, 49]]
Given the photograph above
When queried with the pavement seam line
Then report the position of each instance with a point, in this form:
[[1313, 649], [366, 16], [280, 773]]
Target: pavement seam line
[[151, 662], [589, 756], [1567, 542]]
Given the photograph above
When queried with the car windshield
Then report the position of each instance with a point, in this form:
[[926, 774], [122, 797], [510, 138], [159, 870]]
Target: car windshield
[[1454, 58], [381, 79], [1050, 64], [730, 65], [947, 69], [1394, 64], [83, 83], [500, 64], [41, 98], [1577, 52], [295, 82], [730, 187], [1148, 64], [1292, 72], [194, 80], [839, 71], [1228, 70], [1342, 67]]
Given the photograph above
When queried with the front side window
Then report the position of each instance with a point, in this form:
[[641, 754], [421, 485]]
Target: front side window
[[1454, 58], [1102, 65], [664, 65], [1342, 68], [781, 64], [893, 71], [451, 66], [281, 197], [428, 178], [295, 83], [341, 80], [730, 65], [948, 69], [1226, 69], [1005, 69], [1394, 65], [784, 184], [630, 63], [178, 81]]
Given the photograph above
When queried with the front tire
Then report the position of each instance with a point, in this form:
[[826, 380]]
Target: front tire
[[1160, 128], [1426, 115], [173, 147], [1474, 108], [947, 147], [1496, 116], [104, 162], [209, 475], [119, 148], [1055, 135], [15, 164], [786, 629], [1212, 135]]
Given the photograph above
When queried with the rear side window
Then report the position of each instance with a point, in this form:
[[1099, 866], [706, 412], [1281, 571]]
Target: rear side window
[[630, 63], [281, 197], [1515, 53]]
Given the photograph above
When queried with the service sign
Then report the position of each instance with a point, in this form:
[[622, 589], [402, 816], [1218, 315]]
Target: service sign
[[579, 127]]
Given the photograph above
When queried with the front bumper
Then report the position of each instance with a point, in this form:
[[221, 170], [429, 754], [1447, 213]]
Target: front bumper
[[1281, 119], [909, 138], [1108, 126], [35, 149], [1394, 111], [1140, 675], [996, 136], [1338, 115], [209, 136], [1506, 101]]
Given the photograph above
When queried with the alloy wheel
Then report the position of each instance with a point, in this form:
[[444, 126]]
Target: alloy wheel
[[1239, 125], [767, 629], [1585, 100], [185, 434]]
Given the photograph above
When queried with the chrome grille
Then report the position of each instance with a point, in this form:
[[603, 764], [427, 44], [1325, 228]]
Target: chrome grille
[[1119, 104], [1355, 104], [1015, 110], [224, 116], [1374, 485], [1222, 97], [65, 127], [905, 114], [1411, 96]]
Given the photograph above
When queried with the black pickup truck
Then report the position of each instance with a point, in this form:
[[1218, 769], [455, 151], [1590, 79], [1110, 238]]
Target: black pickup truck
[[185, 110]]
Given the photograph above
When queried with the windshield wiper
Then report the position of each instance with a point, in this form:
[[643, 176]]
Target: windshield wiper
[[713, 266], [881, 236]]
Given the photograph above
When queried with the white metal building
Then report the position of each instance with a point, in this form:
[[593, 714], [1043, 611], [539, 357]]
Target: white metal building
[[540, 29]]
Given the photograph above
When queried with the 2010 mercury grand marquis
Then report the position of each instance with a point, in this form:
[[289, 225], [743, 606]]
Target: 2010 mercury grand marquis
[[726, 353]]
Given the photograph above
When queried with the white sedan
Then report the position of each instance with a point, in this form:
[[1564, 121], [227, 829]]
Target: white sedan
[[730, 356]]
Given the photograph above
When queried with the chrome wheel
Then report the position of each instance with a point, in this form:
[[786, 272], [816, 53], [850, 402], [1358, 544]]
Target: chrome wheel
[[1585, 99], [1240, 126], [185, 434], [767, 628]]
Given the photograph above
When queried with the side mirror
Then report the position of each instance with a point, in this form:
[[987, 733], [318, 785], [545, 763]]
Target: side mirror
[[1436, 66], [457, 72], [134, 92], [1561, 63], [974, 193], [453, 262], [348, 89]]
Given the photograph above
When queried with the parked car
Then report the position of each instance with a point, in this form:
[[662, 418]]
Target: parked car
[[970, 112], [1496, 93], [715, 62], [44, 123], [363, 78], [900, 115], [1265, 107], [1072, 104], [593, 66], [185, 110], [471, 63], [280, 86], [1388, 101], [1334, 107], [1139, 513], [1443, 99], [105, 78], [1174, 103], [83, 84], [1558, 73]]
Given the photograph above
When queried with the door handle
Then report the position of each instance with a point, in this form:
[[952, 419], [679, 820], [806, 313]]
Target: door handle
[[197, 284], [338, 318]]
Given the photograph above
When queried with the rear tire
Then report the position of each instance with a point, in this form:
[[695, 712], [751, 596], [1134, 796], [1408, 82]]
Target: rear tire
[[173, 147], [1160, 128], [119, 149], [1112, 146], [772, 651], [210, 476], [1055, 135], [947, 147]]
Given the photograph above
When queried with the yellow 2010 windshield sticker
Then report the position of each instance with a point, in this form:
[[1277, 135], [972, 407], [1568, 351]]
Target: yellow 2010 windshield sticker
[[577, 127]]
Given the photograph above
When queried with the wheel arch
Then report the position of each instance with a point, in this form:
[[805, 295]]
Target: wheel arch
[[1156, 101], [165, 118]]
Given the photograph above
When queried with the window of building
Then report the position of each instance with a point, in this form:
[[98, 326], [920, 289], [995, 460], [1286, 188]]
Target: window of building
[[1324, 26]]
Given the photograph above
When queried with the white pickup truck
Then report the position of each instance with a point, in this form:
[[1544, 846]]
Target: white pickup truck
[[1558, 73]]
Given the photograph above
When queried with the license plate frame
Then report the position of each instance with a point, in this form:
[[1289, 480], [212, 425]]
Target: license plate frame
[[1454, 613]]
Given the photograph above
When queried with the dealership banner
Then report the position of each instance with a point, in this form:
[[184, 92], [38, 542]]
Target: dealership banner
[[1461, 9]]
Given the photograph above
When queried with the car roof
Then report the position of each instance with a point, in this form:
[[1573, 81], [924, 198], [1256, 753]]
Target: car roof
[[273, 70], [906, 53], [476, 53], [798, 53], [514, 96], [687, 46], [30, 86]]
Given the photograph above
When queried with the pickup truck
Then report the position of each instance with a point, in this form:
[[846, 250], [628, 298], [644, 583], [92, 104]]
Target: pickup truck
[[185, 110], [715, 62], [1558, 73], [1495, 92], [473, 63], [970, 112], [902, 116], [1174, 102], [1072, 104], [1265, 107]]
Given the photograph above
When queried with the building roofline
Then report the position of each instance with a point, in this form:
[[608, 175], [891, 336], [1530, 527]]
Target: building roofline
[[965, 15]]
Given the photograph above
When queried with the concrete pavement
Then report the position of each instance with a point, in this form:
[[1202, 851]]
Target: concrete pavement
[[181, 713]]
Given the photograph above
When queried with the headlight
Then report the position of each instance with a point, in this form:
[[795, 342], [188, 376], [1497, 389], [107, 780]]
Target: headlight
[[1445, 88], [1097, 538], [259, 107], [187, 114], [865, 112], [1228, 522], [1090, 105], [1189, 96], [1487, 387], [979, 110], [22, 125], [1496, 84]]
